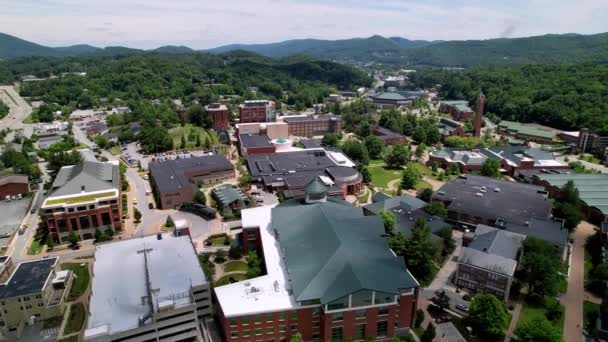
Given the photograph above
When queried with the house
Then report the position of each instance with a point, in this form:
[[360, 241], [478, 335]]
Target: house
[[96, 128], [291, 171], [317, 281], [255, 144], [13, 185], [175, 181], [83, 198], [36, 288], [511, 158], [56, 127], [488, 260], [459, 110], [449, 128], [163, 295], [388, 136]]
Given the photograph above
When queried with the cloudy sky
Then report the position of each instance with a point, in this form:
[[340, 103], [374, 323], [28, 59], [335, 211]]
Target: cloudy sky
[[209, 23]]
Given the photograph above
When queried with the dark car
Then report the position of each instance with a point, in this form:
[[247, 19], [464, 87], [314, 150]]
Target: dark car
[[198, 209], [466, 297]]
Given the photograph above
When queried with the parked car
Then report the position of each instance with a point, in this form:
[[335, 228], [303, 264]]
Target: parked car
[[466, 297], [134, 200], [150, 206], [462, 307]]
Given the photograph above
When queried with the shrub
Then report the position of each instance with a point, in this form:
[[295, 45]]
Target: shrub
[[235, 252]]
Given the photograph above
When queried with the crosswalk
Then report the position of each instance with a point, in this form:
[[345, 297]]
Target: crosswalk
[[49, 332]]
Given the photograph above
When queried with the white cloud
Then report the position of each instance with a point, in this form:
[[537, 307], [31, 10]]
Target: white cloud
[[203, 24]]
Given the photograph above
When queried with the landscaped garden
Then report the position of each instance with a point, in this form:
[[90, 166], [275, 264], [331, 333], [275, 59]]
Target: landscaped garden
[[381, 176], [75, 319], [190, 133], [81, 279]]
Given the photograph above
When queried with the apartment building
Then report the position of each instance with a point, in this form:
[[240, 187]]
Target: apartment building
[[83, 198], [313, 125], [330, 276], [256, 111], [35, 289], [163, 294], [219, 114]]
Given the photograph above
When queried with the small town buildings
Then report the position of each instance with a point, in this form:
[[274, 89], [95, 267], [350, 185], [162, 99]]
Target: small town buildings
[[83, 198], [37, 289], [175, 181], [488, 260], [511, 158], [255, 144], [291, 171], [163, 294], [13, 185], [256, 111], [56, 127], [96, 128], [219, 114], [317, 281], [459, 110], [313, 125], [388, 136], [528, 132], [448, 128], [592, 190]]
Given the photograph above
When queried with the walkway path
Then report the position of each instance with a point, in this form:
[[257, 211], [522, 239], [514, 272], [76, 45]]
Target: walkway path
[[574, 297], [442, 279], [514, 319]]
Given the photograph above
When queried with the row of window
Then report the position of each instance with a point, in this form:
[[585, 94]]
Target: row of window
[[86, 222], [260, 331], [337, 333], [268, 318], [80, 208]]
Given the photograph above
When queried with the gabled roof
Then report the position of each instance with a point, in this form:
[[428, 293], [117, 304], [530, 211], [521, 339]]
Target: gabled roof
[[93, 176], [491, 262], [497, 241], [323, 244]]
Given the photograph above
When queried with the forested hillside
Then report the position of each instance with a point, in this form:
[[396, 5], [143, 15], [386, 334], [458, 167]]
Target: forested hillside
[[563, 96]]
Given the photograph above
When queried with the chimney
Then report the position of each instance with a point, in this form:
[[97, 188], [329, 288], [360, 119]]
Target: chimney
[[481, 101]]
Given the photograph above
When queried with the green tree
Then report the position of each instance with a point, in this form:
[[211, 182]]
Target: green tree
[[426, 194], [437, 209], [397, 157], [420, 149], [453, 169], [254, 265], [199, 197], [356, 151], [442, 300], [198, 141], [420, 250], [73, 239], [490, 168], [538, 329], [136, 214], [410, 178], [434, 167], [98, 235], [419, 318], [296, 338], [169, 222], [429, 333], [183, 142], [101, 141], [488, 316], [365, 174], [330, 139], [388, 219], [419, 134], [568, 206], [374, 146], [541, 267], [49, 242]]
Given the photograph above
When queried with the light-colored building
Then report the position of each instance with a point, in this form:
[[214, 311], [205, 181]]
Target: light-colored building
[[35, 290], [148, 289], [274, 130]]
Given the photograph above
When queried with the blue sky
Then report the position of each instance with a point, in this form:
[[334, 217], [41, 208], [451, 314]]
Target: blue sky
[[204, 24]]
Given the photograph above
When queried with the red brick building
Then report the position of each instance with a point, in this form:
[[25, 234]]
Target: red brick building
[[256, 111], [219, 115], [459, 110], [312, 125], [83, 198], [13, 185], [318, 283]]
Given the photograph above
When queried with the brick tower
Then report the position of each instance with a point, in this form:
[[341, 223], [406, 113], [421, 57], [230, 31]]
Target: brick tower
[[481, 101]]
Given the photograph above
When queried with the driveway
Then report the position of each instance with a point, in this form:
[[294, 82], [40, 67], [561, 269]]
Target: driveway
[[574, 297], [442, 279]]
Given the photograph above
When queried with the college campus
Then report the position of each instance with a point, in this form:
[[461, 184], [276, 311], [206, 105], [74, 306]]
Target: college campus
[[369, 189]]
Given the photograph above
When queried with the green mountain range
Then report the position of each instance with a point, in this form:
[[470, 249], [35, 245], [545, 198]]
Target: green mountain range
[[552, 48]]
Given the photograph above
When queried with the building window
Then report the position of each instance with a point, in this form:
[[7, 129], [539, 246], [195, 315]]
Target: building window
[[258, 319], [82, 208], [70, 210], [245, 320], [360, 332], [294, 315], [269, 331], [281, 316], [283, 328], [234, 334], [383, 311], [233, 322], [338, 316], [95, 222], [382, 328], [84, 222], [294, 327], [245, 333], [316, 337], [337, 334], [258, 331], [92, 206], [315, 324], [316, 312], [269, 317], [360, 313]]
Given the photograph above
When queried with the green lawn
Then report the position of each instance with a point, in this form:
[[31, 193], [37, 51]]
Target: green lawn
[[218, 241], [81, 279], [28, 119], [226, 278], [422, 169], [590, 313], [236, 265], [35, 248], [178, 132], [422, 184], [115, 150], [382, 176], [75, 320], [590, 158], [529, 312]]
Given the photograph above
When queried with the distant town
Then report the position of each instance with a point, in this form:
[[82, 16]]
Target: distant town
[[384, 212]]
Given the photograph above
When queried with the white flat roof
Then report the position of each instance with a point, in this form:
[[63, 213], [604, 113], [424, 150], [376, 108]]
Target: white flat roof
[[267, 293], [119, 281], [549, 162]]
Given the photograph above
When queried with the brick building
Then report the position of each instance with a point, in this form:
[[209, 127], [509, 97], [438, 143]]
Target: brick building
[[312, 125], [14, 185], [449, 128], [83, 198], [318, 282], [256, 111], [174, 181], [255, 144], [459, 110], [388, 136], [219, 115]]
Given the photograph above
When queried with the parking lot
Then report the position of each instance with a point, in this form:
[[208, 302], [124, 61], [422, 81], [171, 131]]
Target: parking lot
[[13, 213], [132, 152]]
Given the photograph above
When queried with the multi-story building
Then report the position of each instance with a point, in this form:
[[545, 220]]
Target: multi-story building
[[35, 289], [319, 282], [162, 294], [255, 144], [175, 181], [388, 136], [459, 110], [488, 260], [256, 111], [274, 130], [219, 115], [83, 198], [313, 125], [589, 142], [449, 128], [528, 131]]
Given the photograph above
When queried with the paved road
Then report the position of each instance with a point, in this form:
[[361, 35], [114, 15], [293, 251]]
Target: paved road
[[19, 108], [574, 297]]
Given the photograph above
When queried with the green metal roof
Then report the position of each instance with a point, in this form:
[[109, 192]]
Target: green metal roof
[[228, 194], [592, 188], [316, 187], [331, 250], [528, 129]]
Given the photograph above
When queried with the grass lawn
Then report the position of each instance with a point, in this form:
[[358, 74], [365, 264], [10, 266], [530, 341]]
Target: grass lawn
[[373, 162], [76, 319], [80, 199], [236, 265], [35, 248], [52, 322], [529, 312], [81, 279], [422, 169], [422, 184], [218, 241], [590, 313], [177, 133], [590, 158], [28, 119], [226, 278], [382, 176], [115, 150]]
